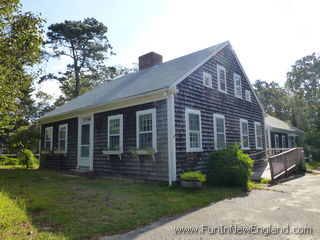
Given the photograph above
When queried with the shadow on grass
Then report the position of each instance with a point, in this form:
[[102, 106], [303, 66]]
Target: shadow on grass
[[60, 207]]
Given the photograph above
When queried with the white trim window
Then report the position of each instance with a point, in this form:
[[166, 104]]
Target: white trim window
[[48, 135], [283, 141], [222, 79], [248, 95], [146, 129], [63, 138], [237, 85], [258, 135], [276, 141], [115, 133], [207, 80], [219, 131], [244, 134], [193, 130]]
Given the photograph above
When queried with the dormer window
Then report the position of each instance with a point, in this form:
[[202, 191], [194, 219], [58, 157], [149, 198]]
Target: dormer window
[[222, 79], [248, 96], [207, 80]]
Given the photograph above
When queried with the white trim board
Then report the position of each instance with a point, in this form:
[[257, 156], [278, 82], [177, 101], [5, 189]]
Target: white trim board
[[120, 118], [172, 173], [123, 103], [188, 147], [151, 111], [66, 137]]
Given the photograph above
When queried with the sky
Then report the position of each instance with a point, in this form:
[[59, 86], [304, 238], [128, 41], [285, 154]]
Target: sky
[[267, 36]]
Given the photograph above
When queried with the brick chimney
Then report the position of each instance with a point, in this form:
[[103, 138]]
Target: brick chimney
[[148, 60]]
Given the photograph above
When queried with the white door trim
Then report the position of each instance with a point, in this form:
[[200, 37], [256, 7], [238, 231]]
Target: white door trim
[[91, 143]]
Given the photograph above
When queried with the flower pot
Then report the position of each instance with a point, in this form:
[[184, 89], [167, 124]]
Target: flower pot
[[191, 183]]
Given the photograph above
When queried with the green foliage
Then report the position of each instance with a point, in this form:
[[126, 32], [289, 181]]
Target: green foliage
[[24, 137], [229, 167], [312, 166], [85, 43], [21, 38], [311, 142], [9, 161], [193, 175], [28, 159], [275, 99]]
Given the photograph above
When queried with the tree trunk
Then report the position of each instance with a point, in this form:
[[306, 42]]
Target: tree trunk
[[77, 75]]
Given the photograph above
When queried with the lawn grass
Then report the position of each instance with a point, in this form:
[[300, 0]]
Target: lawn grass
[[39, 204]]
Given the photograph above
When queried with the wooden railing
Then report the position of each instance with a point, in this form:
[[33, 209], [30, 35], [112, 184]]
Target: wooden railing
[[275, 151], [285, 161]]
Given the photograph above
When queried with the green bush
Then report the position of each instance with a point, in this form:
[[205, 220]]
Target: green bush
[[229, 167], [193, 175], [4, 160], [311, 142], [28, 159]]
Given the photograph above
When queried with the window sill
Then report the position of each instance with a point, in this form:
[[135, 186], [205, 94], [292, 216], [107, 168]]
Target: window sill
[[245, 148], [260, 148], [194, 150], [239, 97], [225, 92], [113, 152], [59, 152]]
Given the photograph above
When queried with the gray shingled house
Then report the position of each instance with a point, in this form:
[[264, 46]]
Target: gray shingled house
[[158, 122], [281, 134]]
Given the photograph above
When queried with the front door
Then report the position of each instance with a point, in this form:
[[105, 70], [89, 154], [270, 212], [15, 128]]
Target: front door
[[85, 144]]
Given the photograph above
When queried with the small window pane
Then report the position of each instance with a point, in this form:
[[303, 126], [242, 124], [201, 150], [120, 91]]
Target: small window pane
[[47, 145], [145, 122], [220, 141], [85, 134], [85, 151], [195, 140], [259, 141], [194, 122], [62, 145], [114, 142], [245, 142], [145, 140], [220, 125], [244, 128], [62, 133], [114, 126]]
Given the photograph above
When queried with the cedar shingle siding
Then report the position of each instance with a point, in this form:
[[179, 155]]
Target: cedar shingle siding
[[129, 166], [60, 161], [192, 94]]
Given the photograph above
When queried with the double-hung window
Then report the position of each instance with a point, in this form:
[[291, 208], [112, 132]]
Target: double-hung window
[[207, 79], [222, 79], [276, 141], [48, 134], [284, 142], [258, 134], [193, 130], [244, 134], [63, 138], [146, 129], [115, 133], [219, 131], [248, 95], [237, 85]]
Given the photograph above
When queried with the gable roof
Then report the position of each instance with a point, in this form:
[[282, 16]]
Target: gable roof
[[159, 77], [278, 124]]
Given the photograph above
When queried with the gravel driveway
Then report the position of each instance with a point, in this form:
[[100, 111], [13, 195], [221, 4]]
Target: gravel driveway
[[288, 206]]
